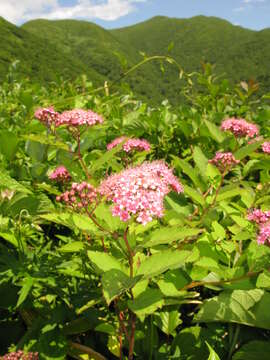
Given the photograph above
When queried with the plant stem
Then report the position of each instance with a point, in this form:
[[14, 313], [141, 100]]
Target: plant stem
[[194, 284], [130, 253], [234, 340], [132, 336], [78, 138], [132, 316]]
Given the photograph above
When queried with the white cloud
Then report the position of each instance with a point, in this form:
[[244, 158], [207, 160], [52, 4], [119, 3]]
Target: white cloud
[[252, 1], [239, 9], [23, 10]]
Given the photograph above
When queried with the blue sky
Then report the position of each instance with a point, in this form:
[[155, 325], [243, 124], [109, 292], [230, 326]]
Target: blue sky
[[253, 14]]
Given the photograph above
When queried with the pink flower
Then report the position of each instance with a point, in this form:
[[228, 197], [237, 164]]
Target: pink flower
[[81, 195], [79, 117], [21, 355], [224, 160], [140, 191], [266, 147], [258, 216], [116, 142], [60, 174], [264, 234], [130, 144], [240, 127], [47, 116]]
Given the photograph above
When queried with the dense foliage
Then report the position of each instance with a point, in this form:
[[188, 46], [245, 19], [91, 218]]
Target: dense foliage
[[67, 48], [91, 264]]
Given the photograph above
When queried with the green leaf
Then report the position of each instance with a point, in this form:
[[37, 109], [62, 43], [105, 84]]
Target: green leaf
[[214, 131], [229, 192], [27, 286], [247, 150], [168, 321], [188, 170], [253, 350], [172, 283], [104, 213], [52, 345], [115, 283], [194, 195], [47, 140], [9, 237], [213, 355], [8, 182], [247, 307], [36, 150], [8, 144], [146, 303], [170, 234], [200, 160], [75, 246], [263, 280], [105, 158], [160, 262], [105, 262]]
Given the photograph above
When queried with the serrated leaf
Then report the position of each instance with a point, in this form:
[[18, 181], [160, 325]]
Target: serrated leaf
[[105, 262], [247, 150], [27, 286], [194, 195], [146, 303], [75, 246], [247, 307], [214, 131], [170, 234], [160, 262]]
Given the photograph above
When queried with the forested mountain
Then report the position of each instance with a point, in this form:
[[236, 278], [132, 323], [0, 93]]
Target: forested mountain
[[49, 49]]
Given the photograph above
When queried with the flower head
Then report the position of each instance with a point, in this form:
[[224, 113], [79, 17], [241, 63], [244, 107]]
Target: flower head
[[20, 355], [60, 174], [240, 127], [264, 234], [47, 116], [258, 216], [266, 147], [80, 196], [140, 191], [130, 144], [224, 160], [79, 117]]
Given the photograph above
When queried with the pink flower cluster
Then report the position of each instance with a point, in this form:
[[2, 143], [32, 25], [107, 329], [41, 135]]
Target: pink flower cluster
[[60, 174], [224, 160], [261, 218], [140, 191], [47, 116], [81, 195], [264, 234], [130, 144], [20, 355], [240, 127], [74, 117], [266, 147], [79, 117]]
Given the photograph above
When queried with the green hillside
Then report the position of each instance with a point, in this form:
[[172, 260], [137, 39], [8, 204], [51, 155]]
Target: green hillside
[[39, 59], [49, 49], [239, 53]]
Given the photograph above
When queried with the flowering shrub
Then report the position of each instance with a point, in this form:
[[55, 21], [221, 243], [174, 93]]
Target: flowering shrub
[[240, 127], [266, 147], [130, 144], [163, 256], [140, 191], [60, 174], [224, 161]]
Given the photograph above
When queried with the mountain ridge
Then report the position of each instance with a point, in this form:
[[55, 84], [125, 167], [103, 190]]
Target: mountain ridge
[[48, 49]]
